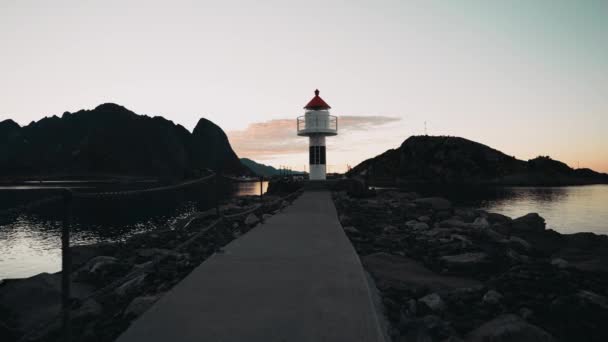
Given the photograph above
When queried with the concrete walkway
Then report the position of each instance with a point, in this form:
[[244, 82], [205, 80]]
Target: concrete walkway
[[294, 278]]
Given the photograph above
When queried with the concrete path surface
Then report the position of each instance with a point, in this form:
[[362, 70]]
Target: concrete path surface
[[294, 278]]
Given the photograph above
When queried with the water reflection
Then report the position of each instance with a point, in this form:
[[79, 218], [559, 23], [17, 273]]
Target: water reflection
[[30, 242]]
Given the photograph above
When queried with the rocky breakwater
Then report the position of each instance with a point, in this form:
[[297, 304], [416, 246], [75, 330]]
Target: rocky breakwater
[[112, 284], [452, 274]]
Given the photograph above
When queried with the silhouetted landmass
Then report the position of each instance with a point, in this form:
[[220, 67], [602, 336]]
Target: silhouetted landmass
[[266, 170], [454, 160], [112, 140]]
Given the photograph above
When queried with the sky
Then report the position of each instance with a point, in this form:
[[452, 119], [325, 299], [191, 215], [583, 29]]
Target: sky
[[525, 77]]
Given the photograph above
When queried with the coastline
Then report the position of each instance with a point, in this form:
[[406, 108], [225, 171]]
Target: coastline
[[448, 272], [114, 283]]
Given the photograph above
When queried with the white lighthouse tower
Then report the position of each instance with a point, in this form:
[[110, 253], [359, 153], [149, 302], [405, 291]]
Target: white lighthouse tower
[[317, 124]]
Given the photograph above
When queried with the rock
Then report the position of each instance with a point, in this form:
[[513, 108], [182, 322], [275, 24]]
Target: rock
[[498, 218], [465, 242], [424, 219], [411, 223], [431, 303], [351, 230], [421, 226], [464, 260], [345, 220], [89, 308], [492, 297], [130, 286], [481, 223], [390, 229], [584, 316], [519, 244], [492, 235], [436, 203], [453, 223], [559, 263], [139, 305], [526, 313], [160, 252], [508, 328], [251, 220], [266, 217], [98, 264], [531, 223]]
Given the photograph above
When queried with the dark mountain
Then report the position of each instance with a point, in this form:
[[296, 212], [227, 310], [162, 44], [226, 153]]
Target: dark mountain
[[266, 170], [110, 140], [453, 160]]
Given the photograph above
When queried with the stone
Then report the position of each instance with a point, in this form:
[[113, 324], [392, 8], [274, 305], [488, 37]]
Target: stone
[[531, 222], [519, 244], [559, 263], [498, 218], [492, 235], [345, 220], [492, 297], [424, 219], [139, 305], [411, 223], [508, 328], [160, 252], [431, 303], [464, 259], [481, 223], [351, 230], [453, 223], [130, 286], [98, 264], [90, 307], [251, 220], [266, 217], [421, 226], [390, 229], [436, 203]]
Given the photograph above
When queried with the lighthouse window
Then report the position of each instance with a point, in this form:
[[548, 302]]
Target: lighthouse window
[[317, 155]]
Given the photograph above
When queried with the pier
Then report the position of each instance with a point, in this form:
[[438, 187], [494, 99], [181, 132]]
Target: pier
[[295, 277]]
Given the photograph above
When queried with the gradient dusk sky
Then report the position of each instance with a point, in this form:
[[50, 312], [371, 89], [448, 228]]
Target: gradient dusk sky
[[526, 77]]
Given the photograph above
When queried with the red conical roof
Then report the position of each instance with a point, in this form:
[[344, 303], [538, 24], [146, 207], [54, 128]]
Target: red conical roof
[[317, 103]]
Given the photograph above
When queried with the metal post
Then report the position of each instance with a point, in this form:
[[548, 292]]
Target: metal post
[[66, 265], [262, 189], [217, 193]]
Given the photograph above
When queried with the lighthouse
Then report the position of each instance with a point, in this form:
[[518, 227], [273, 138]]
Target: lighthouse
[[316, 124]]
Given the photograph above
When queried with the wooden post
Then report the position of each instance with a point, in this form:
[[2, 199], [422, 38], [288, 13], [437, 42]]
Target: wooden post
[[66, 265]]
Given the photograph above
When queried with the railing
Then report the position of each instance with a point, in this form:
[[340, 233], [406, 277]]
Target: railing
[[316, 124]]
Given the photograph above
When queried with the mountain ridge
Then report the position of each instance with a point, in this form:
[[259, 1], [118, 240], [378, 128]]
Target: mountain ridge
[[112, 140]]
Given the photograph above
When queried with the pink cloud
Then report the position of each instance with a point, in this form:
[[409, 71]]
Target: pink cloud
[[274, 138]]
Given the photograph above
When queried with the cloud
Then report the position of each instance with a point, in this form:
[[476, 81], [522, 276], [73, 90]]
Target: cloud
[[275, 138]]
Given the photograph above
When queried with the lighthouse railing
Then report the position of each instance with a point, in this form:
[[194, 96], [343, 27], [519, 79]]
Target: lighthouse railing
[[328, 125]]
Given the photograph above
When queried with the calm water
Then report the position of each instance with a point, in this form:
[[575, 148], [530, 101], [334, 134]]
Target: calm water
[[567, 210], [30, 242]]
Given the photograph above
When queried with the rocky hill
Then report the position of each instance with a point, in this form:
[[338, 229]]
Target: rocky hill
[[266, 170], [111, 140], [454, 160]]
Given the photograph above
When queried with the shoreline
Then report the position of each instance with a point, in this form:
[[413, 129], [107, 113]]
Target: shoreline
[[114, 283], [453, 273]]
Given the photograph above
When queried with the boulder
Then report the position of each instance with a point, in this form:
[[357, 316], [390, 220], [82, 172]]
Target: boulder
[[130, 286], [498, 218], [583, 316], [266, 217], [251, 220], [437, 203], [425, 219], [531, 222], [492, 297], [421, 226], [351, 230], [453, 222], [480, 223], [559, 263], [411, 223], [431, 303], [139, 305], [464, 260], [519, 244], [508, 328]]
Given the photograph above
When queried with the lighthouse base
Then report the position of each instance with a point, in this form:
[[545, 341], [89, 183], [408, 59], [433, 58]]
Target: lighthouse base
[[317, 172]]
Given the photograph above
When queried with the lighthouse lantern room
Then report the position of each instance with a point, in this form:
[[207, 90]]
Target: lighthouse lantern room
[[316, 124]]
